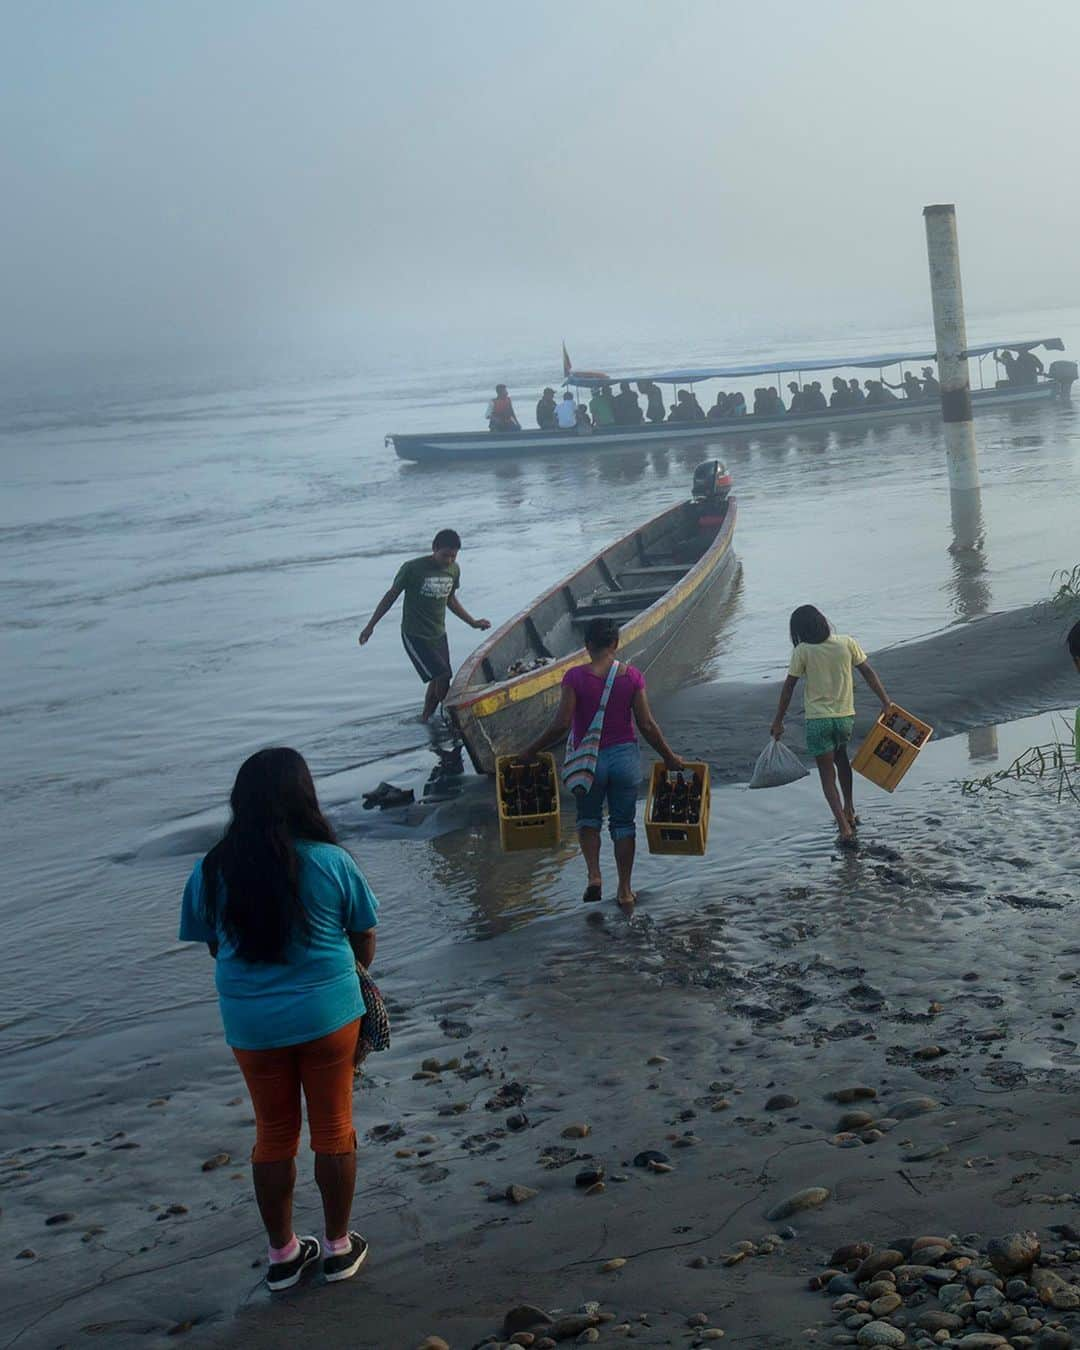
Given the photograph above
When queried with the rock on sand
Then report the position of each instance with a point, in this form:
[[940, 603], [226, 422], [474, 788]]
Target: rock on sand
[[809, 1198]]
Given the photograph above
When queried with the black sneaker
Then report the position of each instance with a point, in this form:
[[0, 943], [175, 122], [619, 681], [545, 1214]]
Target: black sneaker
[[345, 1265], [284, 1274]]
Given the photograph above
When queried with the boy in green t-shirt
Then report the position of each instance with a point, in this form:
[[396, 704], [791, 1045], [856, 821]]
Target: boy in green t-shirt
[[430, 586]]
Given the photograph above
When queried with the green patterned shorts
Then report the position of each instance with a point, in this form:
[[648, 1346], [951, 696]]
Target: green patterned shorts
[[826, 734]]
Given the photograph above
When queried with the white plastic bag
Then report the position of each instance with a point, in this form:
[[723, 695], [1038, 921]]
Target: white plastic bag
[[777, 765]]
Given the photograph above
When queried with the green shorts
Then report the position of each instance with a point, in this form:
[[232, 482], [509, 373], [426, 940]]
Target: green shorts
[[826, 734]]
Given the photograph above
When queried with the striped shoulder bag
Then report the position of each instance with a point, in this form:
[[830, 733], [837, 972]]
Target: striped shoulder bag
[[579, 762]]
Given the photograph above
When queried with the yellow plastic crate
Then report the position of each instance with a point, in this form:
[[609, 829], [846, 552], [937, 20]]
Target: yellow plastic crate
[[678, 837], [532, 831], [886, 754]]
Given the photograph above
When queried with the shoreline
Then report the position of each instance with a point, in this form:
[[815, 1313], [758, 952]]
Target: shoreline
[[750, 978]]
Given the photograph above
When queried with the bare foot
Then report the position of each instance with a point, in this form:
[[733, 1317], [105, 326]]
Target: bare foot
[[627, 899], [851, 817]]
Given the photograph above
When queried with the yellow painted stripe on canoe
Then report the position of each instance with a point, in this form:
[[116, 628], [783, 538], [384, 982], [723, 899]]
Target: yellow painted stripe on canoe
[[542, 679]]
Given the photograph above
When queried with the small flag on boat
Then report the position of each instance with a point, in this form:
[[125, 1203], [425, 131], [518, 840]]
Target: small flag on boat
[[566, 365]]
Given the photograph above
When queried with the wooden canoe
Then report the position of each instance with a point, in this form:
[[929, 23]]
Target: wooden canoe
[[650, 581]]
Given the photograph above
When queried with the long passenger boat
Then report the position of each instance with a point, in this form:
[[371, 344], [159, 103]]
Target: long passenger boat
[[442, 447], [650, 582]]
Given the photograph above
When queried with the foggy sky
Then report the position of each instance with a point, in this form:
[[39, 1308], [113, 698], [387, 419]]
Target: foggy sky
[[241, 171]]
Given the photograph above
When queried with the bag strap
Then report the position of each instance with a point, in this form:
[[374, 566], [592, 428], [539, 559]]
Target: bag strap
[[609, 684]]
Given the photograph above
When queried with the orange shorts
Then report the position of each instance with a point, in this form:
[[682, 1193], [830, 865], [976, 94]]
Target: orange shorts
[[323, 1069]]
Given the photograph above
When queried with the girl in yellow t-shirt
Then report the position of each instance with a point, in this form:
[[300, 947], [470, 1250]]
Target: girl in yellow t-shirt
[[826, 660]]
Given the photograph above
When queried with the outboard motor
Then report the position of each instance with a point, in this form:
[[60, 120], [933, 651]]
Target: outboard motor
[[1064, 375], [712, 482]]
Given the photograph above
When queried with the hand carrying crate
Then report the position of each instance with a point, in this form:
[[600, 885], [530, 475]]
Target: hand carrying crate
[[891, 747], [528, 797], [677, 812]]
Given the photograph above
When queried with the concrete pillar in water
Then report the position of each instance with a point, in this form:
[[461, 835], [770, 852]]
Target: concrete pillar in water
[[950, 333]]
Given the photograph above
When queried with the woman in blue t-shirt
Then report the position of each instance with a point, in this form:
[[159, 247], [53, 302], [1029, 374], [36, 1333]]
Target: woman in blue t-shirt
[[286, 913]]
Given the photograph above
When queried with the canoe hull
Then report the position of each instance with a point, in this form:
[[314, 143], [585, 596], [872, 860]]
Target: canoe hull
[[440, 447], [503, 717]]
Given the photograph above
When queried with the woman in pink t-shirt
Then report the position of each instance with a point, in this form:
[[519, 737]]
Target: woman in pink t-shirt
[[618, 765]]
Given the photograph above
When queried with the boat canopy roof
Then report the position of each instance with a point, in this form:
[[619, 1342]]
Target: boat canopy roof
[[590, 380]]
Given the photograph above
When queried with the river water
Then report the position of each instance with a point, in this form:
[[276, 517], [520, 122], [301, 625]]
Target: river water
[[185, 564]]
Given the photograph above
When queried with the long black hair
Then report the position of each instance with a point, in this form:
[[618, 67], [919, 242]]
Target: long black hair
[[808, 624], [251, 878]]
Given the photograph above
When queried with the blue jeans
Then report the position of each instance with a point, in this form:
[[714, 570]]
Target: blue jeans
[[618, 773]]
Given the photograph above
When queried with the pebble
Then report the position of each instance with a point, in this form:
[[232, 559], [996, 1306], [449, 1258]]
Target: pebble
[[1013, 1252], [952, 1295], [874, 1264], [808, 1198], [880, 1333], [517, 1195], [851, 1251], [218, 1160], [525, 1338], [914, 1106], [933, 1319], [660, 1167], [580, 1130], [616, 1263], [887, 1303], [853, 1094], [589, 1336], [979, 1340], [573, 1325], [433, 1343], [523, 1317], [698, 1262], [648, 1156], [697, 1320], [925, 1154], [589, 1176], [928, 1052], [854, 1120], [721, 1105], [1052, 1338], [27, 1254], [54, 1219], [711, 1334], [657, 1059], [781, 1101]]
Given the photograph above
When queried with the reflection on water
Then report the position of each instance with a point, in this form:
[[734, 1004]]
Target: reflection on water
[[968, 553]]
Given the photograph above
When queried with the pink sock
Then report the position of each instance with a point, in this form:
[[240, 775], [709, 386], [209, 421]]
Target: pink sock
[[337, 1246], [289, 1252]]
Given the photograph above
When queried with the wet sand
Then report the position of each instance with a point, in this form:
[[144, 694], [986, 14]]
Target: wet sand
[[670, 1030]]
